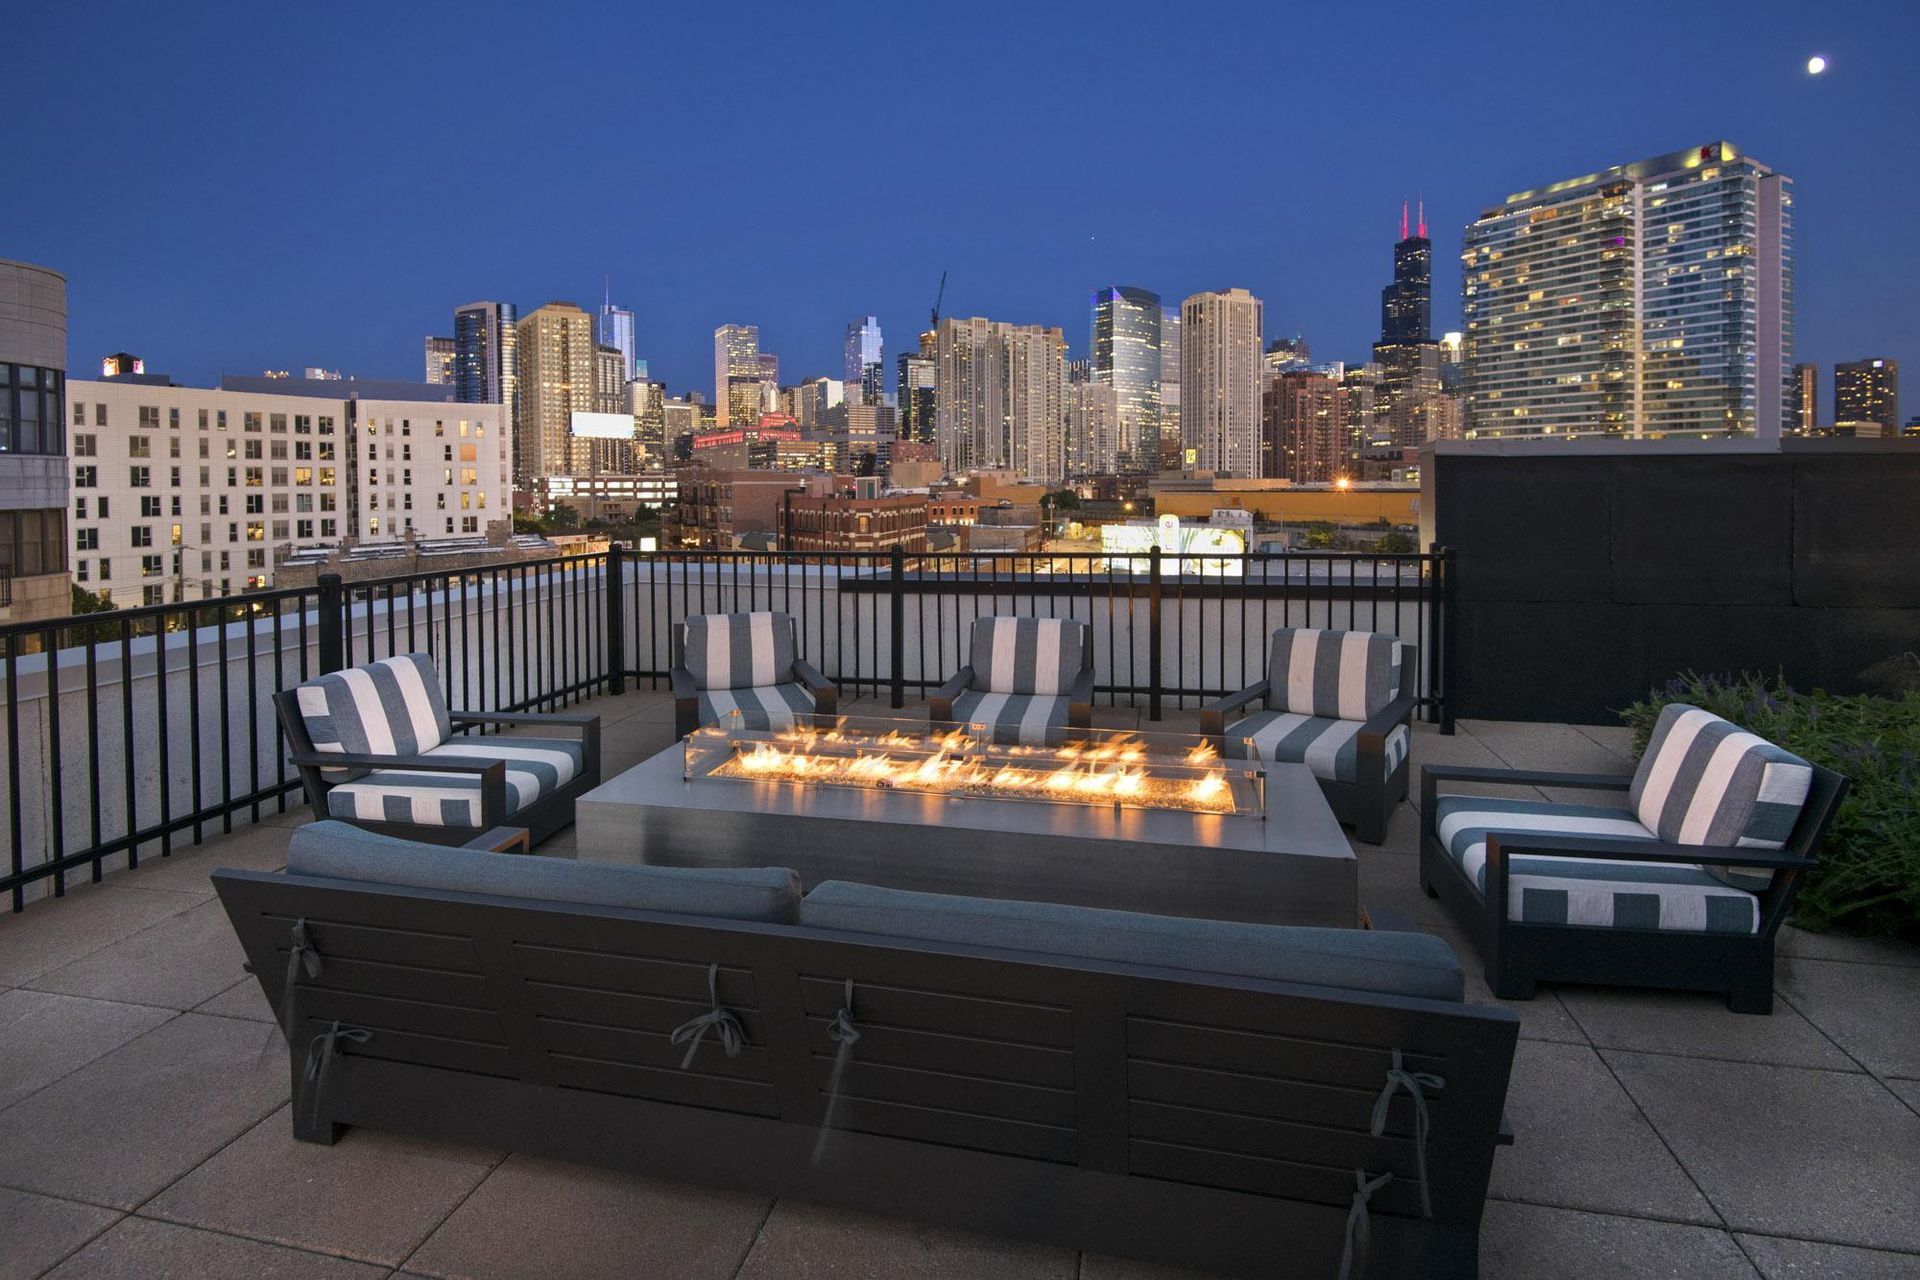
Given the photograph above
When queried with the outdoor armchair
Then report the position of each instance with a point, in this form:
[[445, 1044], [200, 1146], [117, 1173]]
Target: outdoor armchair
[[1339, 702], [376, 746], [1029, 679], [744, 662]]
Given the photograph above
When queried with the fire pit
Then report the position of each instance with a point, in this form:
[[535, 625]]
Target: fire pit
[[1097, 767], [1136, 821]]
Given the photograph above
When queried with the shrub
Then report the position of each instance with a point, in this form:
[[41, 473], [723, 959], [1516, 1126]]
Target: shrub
[[1868, 880]]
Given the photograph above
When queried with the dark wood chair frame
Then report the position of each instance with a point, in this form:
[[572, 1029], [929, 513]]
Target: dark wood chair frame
[[1079, 696], [1368, 803], [548, 814], [686, 695], [1518, 954], [1188, 1119]]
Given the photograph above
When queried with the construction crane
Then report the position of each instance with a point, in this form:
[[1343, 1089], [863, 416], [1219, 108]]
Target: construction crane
[[938, 298]]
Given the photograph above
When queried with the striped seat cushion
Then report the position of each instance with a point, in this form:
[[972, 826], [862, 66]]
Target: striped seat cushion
[[1017, 719], [739, 650], [1589, 891], [392, 707], [1330, 748], [1341, 675], [536, 767], [1027, 655], [769, 706], [1705, 780]]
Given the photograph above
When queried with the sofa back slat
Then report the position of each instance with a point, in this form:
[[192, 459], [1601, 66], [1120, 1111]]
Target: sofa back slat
[[1257, 1052], [939, 1051], [650, 1051], [403, 982], [1274, 1141], [413, 947], [657, 976], [629, 1011], [946, 1012], [1053, 1143], [1268, 1097], [994, 1099], [1324, 1184], [421, 1017], [692, 1088]]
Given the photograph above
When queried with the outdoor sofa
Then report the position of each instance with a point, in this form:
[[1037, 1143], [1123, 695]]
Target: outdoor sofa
[[376, 746], [1683, 885], [1030, 680], [744, 663], [1248, 1099], [1339, 702]]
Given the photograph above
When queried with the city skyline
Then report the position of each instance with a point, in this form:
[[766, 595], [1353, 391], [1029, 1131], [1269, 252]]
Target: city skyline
[[687, 268]]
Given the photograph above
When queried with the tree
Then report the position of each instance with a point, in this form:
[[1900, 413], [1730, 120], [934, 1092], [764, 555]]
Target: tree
[[1063, 500], [1319, 536], [564, 518], [1394, 542]]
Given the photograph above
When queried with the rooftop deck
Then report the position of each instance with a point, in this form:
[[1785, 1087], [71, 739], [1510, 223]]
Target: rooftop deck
[[143, 1091]]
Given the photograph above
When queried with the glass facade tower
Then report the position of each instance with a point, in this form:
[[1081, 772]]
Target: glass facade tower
[[1126, 356], [866, 363]]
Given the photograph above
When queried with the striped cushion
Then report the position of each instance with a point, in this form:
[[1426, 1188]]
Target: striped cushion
[[739, 650], [392, 707], [770, 706], [1027, 655], [1705, 780], [1330, 748], [1589, 891], [1343, 675], [1016, 718], [536, 767]]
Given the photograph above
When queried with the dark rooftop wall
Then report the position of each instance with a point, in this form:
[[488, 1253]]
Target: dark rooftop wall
[[1588, 575]]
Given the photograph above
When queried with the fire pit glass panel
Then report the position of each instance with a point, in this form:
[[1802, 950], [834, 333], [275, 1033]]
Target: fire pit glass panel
[[1117, 769]]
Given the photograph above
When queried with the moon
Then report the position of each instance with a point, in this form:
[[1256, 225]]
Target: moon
[[1816, 64]]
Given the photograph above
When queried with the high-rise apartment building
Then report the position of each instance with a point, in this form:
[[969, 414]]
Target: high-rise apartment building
[[1305, 428], [736, 375], [1125, 354], [616, 331], [999, 402], [1868, 391], [187, 493], [914, 396], [486, 362], [1806, 399], [1170, 439], [33, 444], [1220, 340], [1650, 299], [559, 377], [439, 361], [1097, 436], [866, 362]]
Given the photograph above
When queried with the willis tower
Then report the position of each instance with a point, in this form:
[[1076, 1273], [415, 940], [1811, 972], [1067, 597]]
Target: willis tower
[[1407, 399]]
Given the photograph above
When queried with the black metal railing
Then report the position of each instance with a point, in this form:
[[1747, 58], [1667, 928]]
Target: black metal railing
[[128, 731]]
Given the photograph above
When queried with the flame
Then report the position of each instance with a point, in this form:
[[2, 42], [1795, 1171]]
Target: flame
[[963, 761]]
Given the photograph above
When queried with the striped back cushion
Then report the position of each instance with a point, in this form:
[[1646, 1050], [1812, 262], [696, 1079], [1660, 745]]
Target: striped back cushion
[[1345, 675], [1027, 655], [739, 650], [1705, 780], [392, 707]]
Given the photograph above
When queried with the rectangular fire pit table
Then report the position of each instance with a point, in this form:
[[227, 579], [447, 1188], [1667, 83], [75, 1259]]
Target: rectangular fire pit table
[[1292, 866]]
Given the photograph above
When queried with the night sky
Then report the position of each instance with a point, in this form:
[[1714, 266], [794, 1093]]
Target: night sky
[[233, 187]]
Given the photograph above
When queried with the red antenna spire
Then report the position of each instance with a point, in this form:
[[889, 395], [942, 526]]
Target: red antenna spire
[[1403, 219], [1423, 219]]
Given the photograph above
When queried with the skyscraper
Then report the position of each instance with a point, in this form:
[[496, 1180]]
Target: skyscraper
[[439, 360], [1305, 426], [1095, 436], [1125, 350], [486, 365], [914, 396], [616, 331], [999, 401], [1406, 305], [769, 385], [1651, 299], [736, 375], [1170, 440], [1868, 391], [1806, 399], [559, 376], [866, 363], [1220, 336], [1408, 391]]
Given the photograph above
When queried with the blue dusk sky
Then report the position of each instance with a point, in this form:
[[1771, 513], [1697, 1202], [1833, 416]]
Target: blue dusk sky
[[239, 186]]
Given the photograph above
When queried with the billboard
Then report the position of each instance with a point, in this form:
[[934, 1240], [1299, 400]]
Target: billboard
[[601, 426], [1201, 550]]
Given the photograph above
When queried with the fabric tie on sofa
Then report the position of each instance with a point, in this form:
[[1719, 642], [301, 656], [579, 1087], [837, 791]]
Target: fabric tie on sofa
[[718, 1019]]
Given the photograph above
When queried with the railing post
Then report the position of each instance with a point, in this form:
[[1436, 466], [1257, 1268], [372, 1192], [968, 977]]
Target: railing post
[[1441, 664], [1153, 633], [333, 615], [616, 659], [898, 612]]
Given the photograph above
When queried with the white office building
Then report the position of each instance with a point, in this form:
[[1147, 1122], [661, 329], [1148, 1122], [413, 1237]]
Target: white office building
[[1220, 368]]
